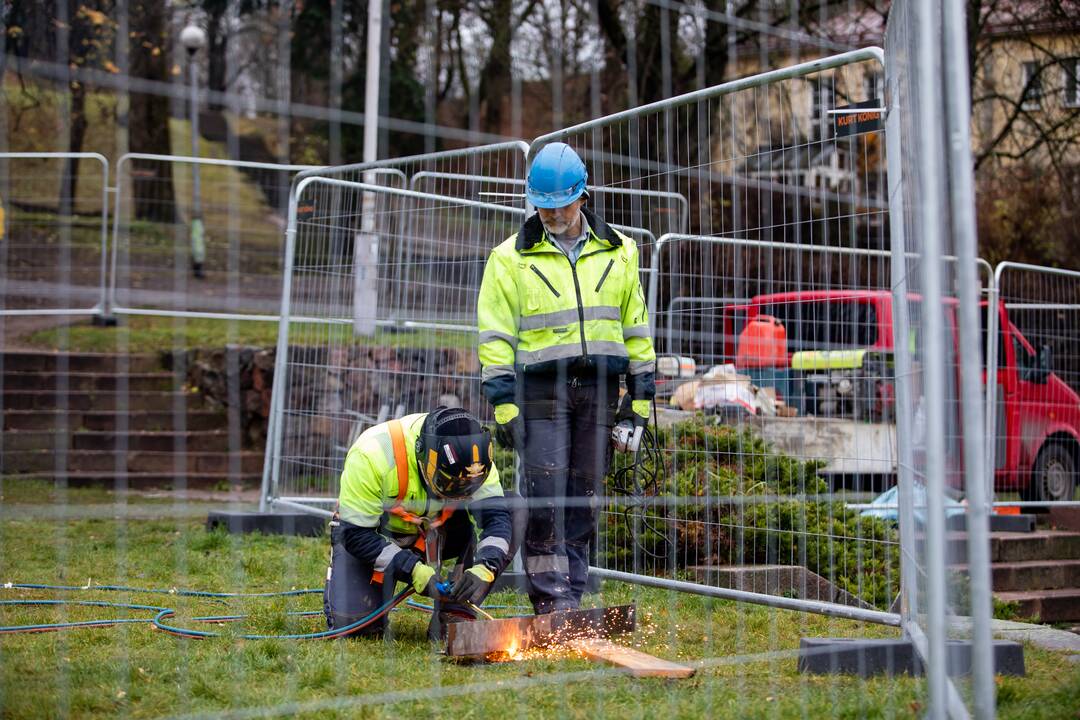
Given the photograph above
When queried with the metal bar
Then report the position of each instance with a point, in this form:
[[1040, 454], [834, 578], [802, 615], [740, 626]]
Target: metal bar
[[1003, 266], [1041, 306], [928, 216], [806, 68], [958, 124], [441, 155], [273, 430], [815, 606], [100, 308], [298, 506]]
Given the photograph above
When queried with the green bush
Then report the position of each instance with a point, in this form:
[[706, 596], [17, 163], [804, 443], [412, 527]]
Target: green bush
[[743, 503]]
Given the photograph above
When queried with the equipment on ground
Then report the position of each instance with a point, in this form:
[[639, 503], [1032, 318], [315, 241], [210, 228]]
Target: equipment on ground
[[481, 638], [851, 384]]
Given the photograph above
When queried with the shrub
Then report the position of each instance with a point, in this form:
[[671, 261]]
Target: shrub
[[742, 502]]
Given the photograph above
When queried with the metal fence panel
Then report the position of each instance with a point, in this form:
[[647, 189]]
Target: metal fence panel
[[777, 203], [378, 307], [1032, 390], [53, 233], [940, 367], [216, 256]]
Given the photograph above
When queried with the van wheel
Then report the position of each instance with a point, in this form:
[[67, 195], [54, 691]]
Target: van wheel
[[1054, 475]]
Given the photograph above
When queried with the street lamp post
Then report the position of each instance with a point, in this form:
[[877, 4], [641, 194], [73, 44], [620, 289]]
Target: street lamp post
[[193, 39]]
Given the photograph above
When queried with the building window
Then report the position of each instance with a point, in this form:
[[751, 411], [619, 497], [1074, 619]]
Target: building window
[[1072, 87], [1032, 87]]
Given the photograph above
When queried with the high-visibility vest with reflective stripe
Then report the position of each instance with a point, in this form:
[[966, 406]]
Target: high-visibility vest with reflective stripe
[[369, 480], [538, 310]]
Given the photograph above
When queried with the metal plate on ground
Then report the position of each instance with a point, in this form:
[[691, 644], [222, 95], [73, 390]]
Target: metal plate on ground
[[480, 638]]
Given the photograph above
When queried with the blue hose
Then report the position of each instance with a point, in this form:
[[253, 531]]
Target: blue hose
[[164, 613]]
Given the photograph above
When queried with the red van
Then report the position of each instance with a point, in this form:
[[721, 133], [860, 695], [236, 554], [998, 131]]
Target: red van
[[1038, 418]]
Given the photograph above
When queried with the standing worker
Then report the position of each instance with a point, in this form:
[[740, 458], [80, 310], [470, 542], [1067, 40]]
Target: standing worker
[[416, 491], [561, 317]]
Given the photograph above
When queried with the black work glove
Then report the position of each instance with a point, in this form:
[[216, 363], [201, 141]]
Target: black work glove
[[510, 427], [474, 585]]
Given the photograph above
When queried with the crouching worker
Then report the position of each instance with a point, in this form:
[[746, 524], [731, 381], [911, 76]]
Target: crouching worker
[[414, 492]]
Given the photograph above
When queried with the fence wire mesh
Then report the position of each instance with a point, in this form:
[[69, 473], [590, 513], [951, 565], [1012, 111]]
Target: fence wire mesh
[[786, 223], [53, 233], [379, 307], [217, 255], [1034, 404]]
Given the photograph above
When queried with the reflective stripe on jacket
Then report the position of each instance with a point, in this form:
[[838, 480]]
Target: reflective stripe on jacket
[[369, 481], [538, 312]]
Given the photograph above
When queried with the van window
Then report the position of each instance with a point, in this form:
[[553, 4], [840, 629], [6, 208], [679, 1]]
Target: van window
[[827, 324]]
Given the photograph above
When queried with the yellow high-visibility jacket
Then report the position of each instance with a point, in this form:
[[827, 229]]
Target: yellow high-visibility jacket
[[369, 489], [538, 312]]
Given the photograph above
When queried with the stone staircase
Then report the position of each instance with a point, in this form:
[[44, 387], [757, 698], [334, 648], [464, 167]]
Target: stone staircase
[[1039, 571], [100, 419]]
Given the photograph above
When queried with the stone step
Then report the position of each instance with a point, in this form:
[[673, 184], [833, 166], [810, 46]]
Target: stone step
[[144, 461], [90, 381], [45, 361], [1036, 575], [1015, 547], [80, 401], [1032, 575], [156, 440], [1049, 606], [143, 481], [109, 420]]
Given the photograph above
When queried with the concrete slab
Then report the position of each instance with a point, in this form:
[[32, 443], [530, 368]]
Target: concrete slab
[[868, 658], [238, 522]]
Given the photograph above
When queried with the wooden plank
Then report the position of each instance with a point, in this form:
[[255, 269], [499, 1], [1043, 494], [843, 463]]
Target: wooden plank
[[638, 663]]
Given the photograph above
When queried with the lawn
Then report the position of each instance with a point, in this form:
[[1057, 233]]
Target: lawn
[[140, 334], [135, 671]]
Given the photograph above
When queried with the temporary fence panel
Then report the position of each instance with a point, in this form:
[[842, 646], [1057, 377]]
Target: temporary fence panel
[[53, 219], [940, 395], [773, 193], [1033, 385], [215, 256], [379, 308]]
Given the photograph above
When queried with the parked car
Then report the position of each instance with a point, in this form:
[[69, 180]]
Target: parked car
[[1038, 432]]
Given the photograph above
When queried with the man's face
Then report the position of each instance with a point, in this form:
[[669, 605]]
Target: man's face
[[558, 220]]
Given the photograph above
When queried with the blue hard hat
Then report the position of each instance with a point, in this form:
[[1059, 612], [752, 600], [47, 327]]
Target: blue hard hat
[[557, 177]]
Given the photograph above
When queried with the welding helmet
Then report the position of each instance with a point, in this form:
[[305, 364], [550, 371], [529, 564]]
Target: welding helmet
[[454, 453], [557, 177]]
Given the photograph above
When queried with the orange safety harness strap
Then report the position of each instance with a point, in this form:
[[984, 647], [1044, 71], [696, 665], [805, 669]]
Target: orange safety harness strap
[[401, 463]]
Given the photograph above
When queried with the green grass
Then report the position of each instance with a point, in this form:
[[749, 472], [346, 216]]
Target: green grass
[[135, 671], [139, 334]]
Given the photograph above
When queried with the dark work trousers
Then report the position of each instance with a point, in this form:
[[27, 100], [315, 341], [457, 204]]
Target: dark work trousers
[[567, 453], [351, 595]]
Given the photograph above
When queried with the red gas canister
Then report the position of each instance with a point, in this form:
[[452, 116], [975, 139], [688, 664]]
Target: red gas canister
[[762, 343]]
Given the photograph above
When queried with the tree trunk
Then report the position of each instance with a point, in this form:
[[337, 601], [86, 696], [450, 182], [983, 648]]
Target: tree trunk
[[70, 185], [217, 46], [148, 129], [495, 77]]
